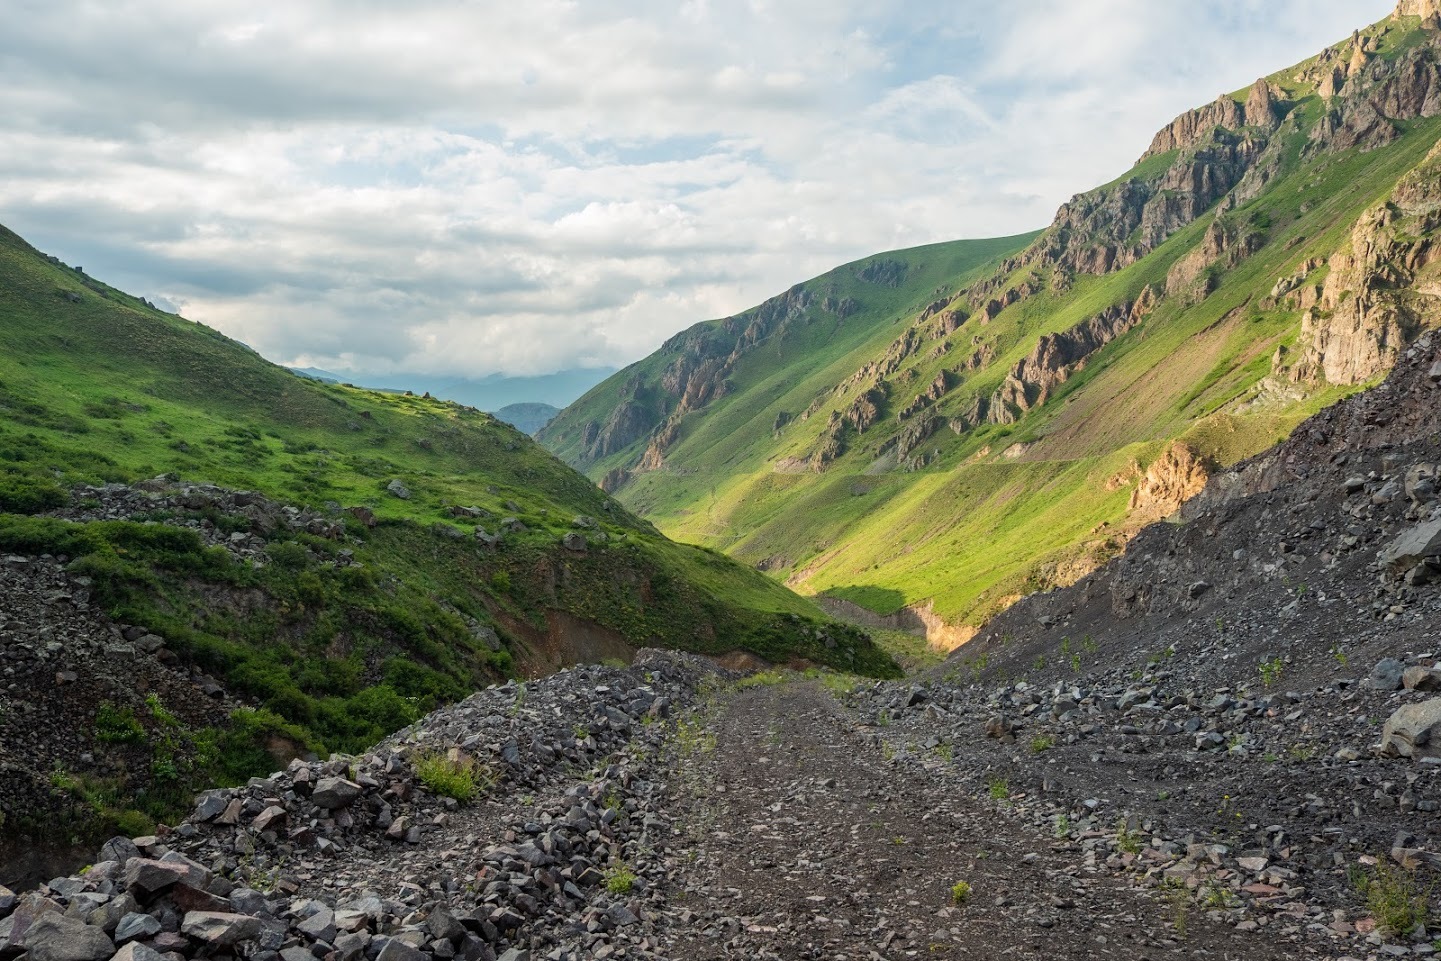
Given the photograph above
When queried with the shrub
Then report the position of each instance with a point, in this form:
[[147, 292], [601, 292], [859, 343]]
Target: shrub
[[960, 892], [21, 495], [460, 778]]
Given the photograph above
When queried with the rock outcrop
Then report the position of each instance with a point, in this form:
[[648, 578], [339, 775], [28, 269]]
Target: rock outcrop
[[1383, 289], [1177, 476], [1055, 360]]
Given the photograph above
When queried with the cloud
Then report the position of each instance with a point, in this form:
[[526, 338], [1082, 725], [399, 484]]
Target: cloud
[[453, 188]]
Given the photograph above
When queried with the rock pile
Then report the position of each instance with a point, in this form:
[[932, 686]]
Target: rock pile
[[360, 857]]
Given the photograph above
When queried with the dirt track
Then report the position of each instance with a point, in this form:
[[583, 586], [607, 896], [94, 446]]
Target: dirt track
[[804, 842]]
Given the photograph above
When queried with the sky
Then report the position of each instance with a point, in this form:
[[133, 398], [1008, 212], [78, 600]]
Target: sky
[[464, 189]]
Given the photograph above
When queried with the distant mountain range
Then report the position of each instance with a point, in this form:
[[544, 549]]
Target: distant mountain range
[[527, 418], [490, 394]]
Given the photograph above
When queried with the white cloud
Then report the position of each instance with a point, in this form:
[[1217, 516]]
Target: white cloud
[[447, 187]]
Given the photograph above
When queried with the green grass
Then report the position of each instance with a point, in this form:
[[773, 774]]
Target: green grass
[[973, 529]]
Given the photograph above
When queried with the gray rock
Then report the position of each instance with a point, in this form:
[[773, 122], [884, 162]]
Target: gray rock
[[119, 850], [335, 792], [515, 954], [217, 930], [145, 878], [574, 542], [135, 926], [320, 926], [55, 937], [398, 489], [1413, 547], [7, 900], [1386, 675], [1414, 731], [210, 807], [397, 950], [135, 951]]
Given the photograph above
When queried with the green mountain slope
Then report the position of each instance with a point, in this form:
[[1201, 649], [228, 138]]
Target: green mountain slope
[[982, 430], [389, 601]]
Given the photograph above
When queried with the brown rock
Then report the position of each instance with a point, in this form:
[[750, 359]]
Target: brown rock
[[1414, 731], [1421, 679]]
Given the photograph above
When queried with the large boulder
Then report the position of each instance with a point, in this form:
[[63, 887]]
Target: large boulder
[[58, 938], [214, 929], [1414, 546], [1414, 731], [334, 792]]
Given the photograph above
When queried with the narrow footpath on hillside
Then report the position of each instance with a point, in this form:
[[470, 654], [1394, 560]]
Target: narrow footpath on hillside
[[803, 841]]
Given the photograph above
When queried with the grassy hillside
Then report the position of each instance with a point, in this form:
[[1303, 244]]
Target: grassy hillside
[[911, 455], [98, 387]]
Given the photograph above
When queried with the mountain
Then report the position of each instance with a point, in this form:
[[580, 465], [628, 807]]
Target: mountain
[[527, 418], [289, 565], [922, 437], [491, 393], [315, 373]]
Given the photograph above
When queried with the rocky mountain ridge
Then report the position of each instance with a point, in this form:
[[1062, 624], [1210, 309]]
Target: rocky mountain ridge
[[1280, 241]]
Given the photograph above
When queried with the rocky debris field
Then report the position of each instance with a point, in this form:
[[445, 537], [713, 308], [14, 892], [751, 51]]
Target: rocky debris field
[[521, 822]]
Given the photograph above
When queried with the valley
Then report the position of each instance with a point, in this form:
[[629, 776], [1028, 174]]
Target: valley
[[1074, 594], [933, 434]]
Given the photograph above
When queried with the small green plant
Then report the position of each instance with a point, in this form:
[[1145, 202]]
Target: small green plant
[[1040, 662], [460, 777], [1339, 655], [1180, 900], [117, 725], [945, 752], [960, 892], [1127, 841], [1075, 663], [580, 732], [1214, 897], [62, 780], [1063, 825], [1303, 752], [1000, 788], [519, 704], [1395, 897], [883, 718], [620, 879], [1271, 671], [1041, 743], [158, 711]]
